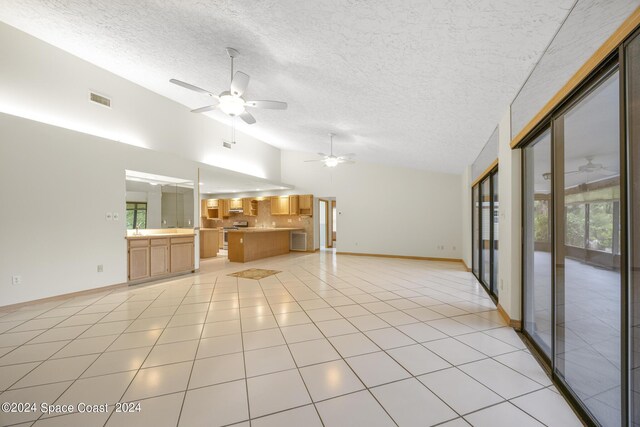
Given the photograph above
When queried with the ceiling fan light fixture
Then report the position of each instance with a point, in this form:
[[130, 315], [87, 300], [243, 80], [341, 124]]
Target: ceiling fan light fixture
[[231, 105], [331, 162]]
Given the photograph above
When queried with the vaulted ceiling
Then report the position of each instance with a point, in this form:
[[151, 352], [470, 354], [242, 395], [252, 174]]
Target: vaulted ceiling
[[411, 83]]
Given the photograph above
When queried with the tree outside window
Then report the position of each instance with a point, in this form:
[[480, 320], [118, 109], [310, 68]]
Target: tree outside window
[[136, 215]]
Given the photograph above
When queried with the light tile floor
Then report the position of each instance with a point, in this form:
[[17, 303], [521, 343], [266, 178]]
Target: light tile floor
[[332, 340]]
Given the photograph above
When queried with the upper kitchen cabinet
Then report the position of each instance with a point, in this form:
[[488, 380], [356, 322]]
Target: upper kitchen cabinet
[[223, 208], [305, 204], [215, 208], [235, 204], [294, 205], [280, 205], [250, 207]]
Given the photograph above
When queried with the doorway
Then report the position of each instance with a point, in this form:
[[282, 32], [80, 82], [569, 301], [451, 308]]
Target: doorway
[[327, 222]]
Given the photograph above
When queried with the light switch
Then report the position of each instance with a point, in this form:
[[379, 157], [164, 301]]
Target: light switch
[[108, 216], [116, 216]]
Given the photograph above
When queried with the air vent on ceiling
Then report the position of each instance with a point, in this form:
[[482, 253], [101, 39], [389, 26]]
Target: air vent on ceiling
[[225, 144], [99, 99]]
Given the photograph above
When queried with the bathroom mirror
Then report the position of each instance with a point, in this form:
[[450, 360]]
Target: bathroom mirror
[[155, 201]]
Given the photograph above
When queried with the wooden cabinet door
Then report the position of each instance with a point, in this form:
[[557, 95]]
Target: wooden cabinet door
[[221, 239], [138, 262], [212, 203], [223, 208], [275, 205], [294, 205], [235, 204], [246, 208], [305, 204], [181, 257], [284, 205], [159, 260]]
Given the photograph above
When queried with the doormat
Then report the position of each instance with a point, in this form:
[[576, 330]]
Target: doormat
[[254, 273]]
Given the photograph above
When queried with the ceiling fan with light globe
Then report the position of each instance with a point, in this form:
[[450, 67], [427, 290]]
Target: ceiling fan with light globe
[[231, 102], [331, 160]]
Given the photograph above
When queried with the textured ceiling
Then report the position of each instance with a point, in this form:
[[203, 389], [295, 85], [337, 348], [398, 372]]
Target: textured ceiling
[[410, 83]]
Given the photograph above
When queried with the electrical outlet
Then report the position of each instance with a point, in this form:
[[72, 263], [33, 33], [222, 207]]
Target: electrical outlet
[[16, 280], [100, 268], [108, 216], [116, 216], [289, 220], [273, 224]]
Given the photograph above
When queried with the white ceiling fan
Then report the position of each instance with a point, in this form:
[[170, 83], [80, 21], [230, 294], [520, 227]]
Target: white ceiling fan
[[231, 101], [331, 160], [591, 167], [588, 168]]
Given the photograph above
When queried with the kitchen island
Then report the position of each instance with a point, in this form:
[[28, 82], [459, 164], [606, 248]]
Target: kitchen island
[[250, 244]]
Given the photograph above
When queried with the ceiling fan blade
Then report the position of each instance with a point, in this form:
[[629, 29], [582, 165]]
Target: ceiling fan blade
[[572, 172], [192, 87], [247, 117], [204, 109], [271, 105], [317, 160], [239, 83], [322, 154]]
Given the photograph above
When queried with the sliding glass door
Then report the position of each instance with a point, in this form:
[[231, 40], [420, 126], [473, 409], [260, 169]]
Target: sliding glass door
[[588, 278], [573, 288], [485, 232], [632, 55], [538, 313], [475, 218]]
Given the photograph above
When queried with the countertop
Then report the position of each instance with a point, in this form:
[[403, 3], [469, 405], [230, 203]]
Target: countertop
[[160, 235], [210, 229], [263, 230]]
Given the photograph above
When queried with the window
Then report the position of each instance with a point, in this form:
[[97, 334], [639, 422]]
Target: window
[[575, 225], [136, 215], [601, 226]]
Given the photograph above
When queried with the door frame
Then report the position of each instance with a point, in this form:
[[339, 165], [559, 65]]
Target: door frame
[[328, 240]]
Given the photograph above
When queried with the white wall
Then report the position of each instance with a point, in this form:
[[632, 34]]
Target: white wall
[[385, 210], [49, 236], [47, 84], [509, 193]]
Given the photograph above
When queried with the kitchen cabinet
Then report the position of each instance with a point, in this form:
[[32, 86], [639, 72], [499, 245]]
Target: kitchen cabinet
[[305, 205], [221, 239], [250, 207], [235, 204], [209, 242], [159, 257], [139, 259], [223, 208], [212, 203], [151, 257], [294, 205], [280, 205], [182, 258]]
